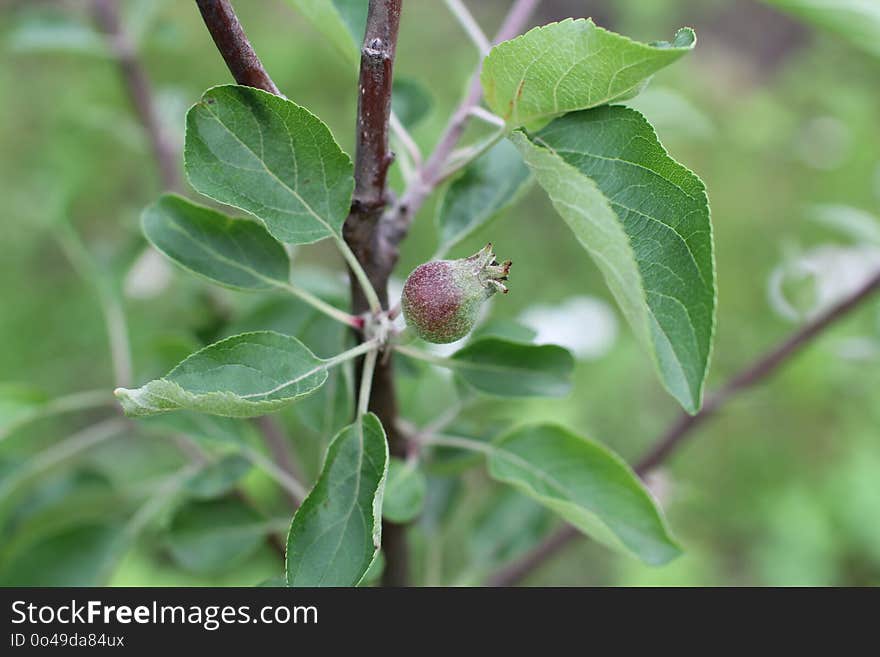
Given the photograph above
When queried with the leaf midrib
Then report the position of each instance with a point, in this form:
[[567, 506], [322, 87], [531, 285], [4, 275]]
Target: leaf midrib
[[262, 162], [219, 256]]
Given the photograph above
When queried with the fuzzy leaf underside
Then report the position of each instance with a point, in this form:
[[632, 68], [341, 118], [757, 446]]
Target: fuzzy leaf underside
[[243, 376]]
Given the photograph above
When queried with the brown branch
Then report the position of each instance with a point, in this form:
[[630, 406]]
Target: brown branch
[[430, 174], [761, 369], [517, 570], [372, 159], [754, 374], [139, 90], [375, 243], [233, 44], [372, 154]]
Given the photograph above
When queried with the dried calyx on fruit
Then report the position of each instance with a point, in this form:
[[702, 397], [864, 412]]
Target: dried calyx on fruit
[[442, 298]]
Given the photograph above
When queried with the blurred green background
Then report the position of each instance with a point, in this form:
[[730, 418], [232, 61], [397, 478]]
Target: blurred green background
[[778, 118]]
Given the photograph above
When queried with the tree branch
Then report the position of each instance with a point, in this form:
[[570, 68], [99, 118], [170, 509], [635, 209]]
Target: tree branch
[[377, 257], [233, 44], [430, 175], [375, 242], [139, 90], [754, 374], [372, 155]]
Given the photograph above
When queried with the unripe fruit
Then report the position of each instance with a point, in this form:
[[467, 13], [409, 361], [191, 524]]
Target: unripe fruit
[[442, 299]]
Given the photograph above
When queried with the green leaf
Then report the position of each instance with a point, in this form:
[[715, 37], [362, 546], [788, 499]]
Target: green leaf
[[211, 432], [354, 15], [320, 415], [18, 404], [857, 21], [292, 316], [237, 253], [336, 532], [374, 572], [341, 22], [448, 461], [243, 376], [587, 485], [571, 65], [53, 31], [486, 187], [411, 101], [513, 369], [507, 329], [405, 491], [644, 219], [219, 477], [270, 157], [510, 525], [57, 502], [73, 556], [213, 536]]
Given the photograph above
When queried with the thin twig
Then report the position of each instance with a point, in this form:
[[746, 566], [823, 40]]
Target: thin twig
[[754, 374], [199, 459], [461, 158], [470, 25], [233, 44], [290, 473], [516, 571], [319, 304], [402, 135], [108, 298], [63, 450], [429, 176], [155, 503], [283, 477], [77, 401], [139, 90], [117, 331], [487, 116]]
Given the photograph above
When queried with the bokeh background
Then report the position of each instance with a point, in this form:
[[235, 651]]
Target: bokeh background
[[779, 118]]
